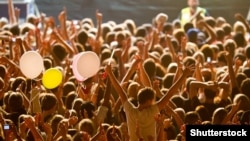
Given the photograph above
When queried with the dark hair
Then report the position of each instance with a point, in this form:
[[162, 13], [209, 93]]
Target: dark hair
[[15, 29], [69, 99], [141, 32], [227, 28], [247, 51], [15, 101], [150, 67], [207, 51], [167, 80], [89, 107], [3, 71], [245, 87], [220, 33], [167, 27], [188, 26], [59, 51], [240, 39], [166, 59], [191, 117], [245, 118], [48, 101], [145, 94], [82, 37]]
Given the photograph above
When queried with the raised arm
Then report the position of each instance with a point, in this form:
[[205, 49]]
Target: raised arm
[[165, 99], [116, 84]]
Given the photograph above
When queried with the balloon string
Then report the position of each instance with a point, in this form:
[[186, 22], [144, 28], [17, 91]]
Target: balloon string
[[113, 52]]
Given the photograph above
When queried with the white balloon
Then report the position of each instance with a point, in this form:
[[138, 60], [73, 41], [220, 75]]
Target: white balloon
[[88, 64], [31, 64]]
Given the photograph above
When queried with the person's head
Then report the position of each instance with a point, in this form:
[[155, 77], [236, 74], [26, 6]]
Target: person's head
[[168, 28], [15, 101], [192, 118], [146, 96], [179, 34], [86, 125], [71, 96], [87, 109], [133, 89], [188, 26], [150, 67], [17, 82], [247, 51], [245, 87], [203, 113], [113, 129], [82, 37], [193, 3], [178, 100], [3, 71], [207, 51], [218, 115], [55, 120], [220, 34], [192, 35], [141, 32], [68, 87], [244, 101], [48, 102], [167, 80], [239, 39], [131, 26], [15, 29], [245, 118], [239, 27], [220, 21], [165, 59], [59, 51], [227, 29], [76, 105]]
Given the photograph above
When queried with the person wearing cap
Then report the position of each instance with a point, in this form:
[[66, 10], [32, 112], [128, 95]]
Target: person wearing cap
[[191, 12]]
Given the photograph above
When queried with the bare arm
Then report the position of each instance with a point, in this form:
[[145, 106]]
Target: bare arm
[[116, 84], [164, 100]]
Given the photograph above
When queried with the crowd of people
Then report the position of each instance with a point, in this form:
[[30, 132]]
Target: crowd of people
[[154, 78]]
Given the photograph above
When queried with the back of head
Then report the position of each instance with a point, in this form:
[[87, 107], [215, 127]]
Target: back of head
[[89, 108], [245, 118], [59, 51], [244, 101], [15, 102], [245, 87], [3, 71], [145, 94], [82, 37], [168, 80], [192, 35], [150, 67], [239, 39], [218, 115], [47, 101], [192, 118], [86, 125], [166, 59]]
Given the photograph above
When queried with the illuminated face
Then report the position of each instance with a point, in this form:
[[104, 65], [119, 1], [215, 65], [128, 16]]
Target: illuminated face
[[193, 3]]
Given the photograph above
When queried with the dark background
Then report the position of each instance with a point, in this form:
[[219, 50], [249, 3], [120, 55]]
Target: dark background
[[141, 11]]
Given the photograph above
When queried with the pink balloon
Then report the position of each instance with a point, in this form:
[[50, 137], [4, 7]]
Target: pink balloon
[[74, 67], [88, 64]]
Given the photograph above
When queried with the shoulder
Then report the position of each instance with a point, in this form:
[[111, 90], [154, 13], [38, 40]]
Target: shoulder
[[185, 9]]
